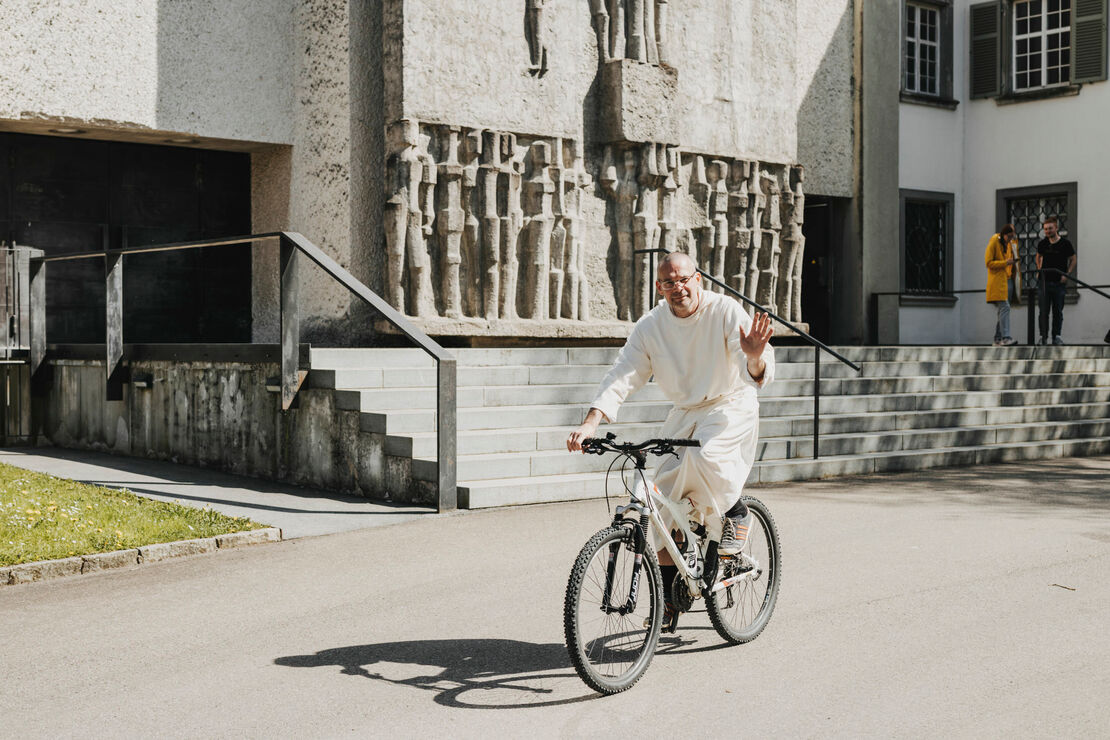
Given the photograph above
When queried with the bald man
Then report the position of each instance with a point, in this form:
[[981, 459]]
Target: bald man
[[709, 358]]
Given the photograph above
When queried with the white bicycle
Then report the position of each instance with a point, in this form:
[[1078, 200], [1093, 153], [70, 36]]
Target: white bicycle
[[611, 627]]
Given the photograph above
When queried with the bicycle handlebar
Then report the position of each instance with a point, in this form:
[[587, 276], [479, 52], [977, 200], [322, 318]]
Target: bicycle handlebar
[[598, 446]]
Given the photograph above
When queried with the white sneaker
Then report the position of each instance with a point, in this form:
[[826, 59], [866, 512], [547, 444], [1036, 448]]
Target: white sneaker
[[735, 534]]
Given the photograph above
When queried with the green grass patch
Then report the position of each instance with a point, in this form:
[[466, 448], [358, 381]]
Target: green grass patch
[[46, 518]]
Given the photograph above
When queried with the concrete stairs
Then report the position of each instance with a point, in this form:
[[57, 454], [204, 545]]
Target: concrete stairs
[[909, 408]]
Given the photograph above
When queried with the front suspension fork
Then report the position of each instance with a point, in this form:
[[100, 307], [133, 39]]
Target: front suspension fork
[[639, 546]]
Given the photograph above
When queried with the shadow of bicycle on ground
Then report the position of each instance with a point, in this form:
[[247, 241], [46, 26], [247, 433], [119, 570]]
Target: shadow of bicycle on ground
[[469, 674]]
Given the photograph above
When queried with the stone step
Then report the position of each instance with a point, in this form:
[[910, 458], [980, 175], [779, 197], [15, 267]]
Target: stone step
[[559, 462], [795, 431], [877, 411], [791, 378], [788, 392], [529, 356], [957, 353], [571, 487]]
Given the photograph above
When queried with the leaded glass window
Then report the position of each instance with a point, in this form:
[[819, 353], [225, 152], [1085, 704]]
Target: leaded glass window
[[1027, 215], [926, 247]]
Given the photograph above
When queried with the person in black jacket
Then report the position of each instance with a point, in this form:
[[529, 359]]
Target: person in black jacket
[[1055, 259]]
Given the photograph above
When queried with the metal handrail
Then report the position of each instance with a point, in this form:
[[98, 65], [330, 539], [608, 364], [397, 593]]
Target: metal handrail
[[818, 345], [291, 244]]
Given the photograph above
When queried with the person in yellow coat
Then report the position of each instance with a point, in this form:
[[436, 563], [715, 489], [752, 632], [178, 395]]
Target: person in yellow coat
[[1000, 258]]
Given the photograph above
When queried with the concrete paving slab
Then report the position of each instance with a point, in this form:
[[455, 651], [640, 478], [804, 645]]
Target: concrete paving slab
[[297, 512]]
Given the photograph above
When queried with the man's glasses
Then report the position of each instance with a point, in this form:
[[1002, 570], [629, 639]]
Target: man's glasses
[[669, 285]]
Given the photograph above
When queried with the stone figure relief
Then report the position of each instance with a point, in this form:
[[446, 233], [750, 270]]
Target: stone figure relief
[[769, 249], [490, 172], [450, 221], [645, 225], [408, 217], [512, 224], [718, 216], [630, 29], [793, 217], [739, 231], [668, 226], [569, 289], [495, 221], [539, 191], [535, 32], [470, 150], [757, 201], [623, 188], [599, 17]]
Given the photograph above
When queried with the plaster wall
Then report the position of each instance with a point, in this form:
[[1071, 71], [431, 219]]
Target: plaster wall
[[824, 89], [209, 68], [1041, 143], [931, 157], [983, 147]]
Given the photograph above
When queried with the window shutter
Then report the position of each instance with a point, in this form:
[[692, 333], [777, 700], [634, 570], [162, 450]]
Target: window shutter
[[1089, 39], [986, 26]]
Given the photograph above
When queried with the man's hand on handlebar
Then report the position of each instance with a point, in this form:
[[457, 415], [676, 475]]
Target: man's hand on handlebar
[[585, 431]]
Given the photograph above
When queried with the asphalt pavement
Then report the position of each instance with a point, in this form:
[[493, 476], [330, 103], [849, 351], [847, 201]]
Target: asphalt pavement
[[966, 602]]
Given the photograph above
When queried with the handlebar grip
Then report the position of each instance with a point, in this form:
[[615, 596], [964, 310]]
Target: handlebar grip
[[682, 442]]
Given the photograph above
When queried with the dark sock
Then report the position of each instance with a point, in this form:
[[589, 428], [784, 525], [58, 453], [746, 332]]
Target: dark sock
[[739, 510], [668, 572]]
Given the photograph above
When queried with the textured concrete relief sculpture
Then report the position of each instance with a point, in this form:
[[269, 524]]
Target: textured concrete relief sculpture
[[490, 226], [732, 216], [492, 219], [408, 222], [631, 29], [535, 31]]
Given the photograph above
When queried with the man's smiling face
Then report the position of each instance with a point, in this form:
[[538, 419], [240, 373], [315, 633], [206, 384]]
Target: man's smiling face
[[680, 284]]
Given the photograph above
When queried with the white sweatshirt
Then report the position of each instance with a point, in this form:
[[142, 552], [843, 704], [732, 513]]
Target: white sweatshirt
[[696, 360]]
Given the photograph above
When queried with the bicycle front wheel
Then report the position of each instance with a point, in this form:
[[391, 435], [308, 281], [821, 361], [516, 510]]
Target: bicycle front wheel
[[611, 627], [741, 611]]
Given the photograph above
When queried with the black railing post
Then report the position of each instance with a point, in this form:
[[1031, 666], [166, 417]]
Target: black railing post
[[446, 436], [816, 401], [290, 324], [1031, 315], [113, 327], [36, 310]]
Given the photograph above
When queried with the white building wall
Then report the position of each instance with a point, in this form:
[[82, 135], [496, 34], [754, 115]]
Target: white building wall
[[983, 147]]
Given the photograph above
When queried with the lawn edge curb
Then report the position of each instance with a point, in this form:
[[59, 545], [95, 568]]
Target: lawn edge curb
[[14, 575]]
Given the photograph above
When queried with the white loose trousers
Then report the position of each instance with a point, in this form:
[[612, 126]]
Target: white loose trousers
[[711, 476]]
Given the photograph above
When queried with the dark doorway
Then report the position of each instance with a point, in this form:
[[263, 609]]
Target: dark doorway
[[816, 269], [70, 195]]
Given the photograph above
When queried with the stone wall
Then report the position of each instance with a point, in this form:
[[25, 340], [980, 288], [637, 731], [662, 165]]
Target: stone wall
[[221, 415]]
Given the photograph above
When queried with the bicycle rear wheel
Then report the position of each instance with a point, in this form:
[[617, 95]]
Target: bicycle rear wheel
[[741, 611], [612, 641]]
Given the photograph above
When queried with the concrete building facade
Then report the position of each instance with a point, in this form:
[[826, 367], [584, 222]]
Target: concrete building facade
[[737, 131]]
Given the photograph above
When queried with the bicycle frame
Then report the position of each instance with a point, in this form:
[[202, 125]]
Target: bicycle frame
[[647, 498]]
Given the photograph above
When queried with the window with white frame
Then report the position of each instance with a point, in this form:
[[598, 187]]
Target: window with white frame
[[1042, 43], [922, 47]]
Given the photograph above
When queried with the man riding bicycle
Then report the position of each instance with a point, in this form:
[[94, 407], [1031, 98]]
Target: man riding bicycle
[[709, 358]]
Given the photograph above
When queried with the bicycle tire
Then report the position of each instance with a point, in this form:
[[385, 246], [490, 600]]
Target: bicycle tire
[[612, 651], [741, 611]]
